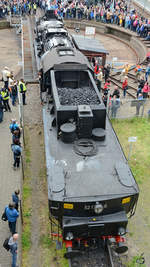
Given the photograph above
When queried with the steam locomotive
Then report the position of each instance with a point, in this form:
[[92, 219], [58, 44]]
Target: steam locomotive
[[91, 189]]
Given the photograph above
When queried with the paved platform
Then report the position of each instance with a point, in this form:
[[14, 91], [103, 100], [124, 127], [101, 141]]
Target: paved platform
[[10, 180]]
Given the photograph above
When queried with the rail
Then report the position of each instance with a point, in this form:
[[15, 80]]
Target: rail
[[97, 256]]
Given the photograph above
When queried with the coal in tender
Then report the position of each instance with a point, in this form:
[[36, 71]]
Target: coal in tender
[[77, 96]]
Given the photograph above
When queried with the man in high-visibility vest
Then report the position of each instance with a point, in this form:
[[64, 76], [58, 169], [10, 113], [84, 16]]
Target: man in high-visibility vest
[[22, 90], [5, 96], [34, 8]]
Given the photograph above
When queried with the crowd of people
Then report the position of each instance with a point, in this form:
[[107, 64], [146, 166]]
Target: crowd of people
[[11, 215], [107, 11], [113, 12], [15, 8], [111, 97], [10, 90]]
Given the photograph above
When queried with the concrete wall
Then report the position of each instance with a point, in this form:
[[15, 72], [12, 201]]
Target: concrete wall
[[4, 24]]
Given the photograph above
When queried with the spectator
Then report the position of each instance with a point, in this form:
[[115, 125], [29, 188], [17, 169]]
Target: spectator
[[147, 73], [5, 95], [96, 69], [115, 104], [138, 71], [145, 90], [106, 72], [1, 109], [122, 75], [16, 136], [105, 99], [116, 92], [15, 199], [16, 149], [34, 8], [107, 86], [5, 77], [13, 126], [127, 67], [99, 79], [140, 86], [125, 86], [139, 104], [22, 90], [13, 244], [12, 215], [14, 93]]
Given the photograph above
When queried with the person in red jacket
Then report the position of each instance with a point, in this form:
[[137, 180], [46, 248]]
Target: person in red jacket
[[125, 86], [107, 86], [146, 90]]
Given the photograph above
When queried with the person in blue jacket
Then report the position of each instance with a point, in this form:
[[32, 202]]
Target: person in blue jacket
[[16, 149], [13, 126], [15, 198], [12, 215]]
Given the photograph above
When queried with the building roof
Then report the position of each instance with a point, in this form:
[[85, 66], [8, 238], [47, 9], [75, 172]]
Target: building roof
[[88, 44]]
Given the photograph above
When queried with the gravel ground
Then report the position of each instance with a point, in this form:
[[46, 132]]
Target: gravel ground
[[10, 180]]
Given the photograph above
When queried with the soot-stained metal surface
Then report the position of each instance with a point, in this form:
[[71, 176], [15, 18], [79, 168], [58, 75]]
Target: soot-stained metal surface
[[86, 178], [50, 58]]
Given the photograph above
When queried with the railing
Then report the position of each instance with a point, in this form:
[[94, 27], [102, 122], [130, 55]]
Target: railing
[[128, 108]]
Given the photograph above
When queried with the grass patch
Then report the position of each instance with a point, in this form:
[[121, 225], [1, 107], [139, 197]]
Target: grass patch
[[50, 256], [45, 241], [139, 164], [26, 205], [139, 160], [26, 243], [136, 262], [26, 192]]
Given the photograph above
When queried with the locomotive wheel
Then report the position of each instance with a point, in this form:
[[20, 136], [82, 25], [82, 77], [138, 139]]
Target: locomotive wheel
[[121, 248]]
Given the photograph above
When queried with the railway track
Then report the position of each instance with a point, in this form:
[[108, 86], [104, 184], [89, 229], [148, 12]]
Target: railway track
[[97, 257], [131, 90]]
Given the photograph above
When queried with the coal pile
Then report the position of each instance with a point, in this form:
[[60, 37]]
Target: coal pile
[[78, 96]]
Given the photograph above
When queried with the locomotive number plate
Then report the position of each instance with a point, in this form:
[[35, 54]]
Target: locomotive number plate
[[68, 206]]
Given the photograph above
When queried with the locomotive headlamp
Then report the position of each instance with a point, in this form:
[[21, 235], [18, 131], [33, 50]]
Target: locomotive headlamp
[[121, 231], [69, 236], [98, 208]]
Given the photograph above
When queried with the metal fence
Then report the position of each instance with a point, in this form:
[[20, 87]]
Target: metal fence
[[129, 108]]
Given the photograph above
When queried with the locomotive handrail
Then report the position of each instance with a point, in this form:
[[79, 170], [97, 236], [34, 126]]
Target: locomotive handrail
[[92, 196]]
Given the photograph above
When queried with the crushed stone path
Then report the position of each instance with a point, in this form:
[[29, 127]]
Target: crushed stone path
[[10, 180]]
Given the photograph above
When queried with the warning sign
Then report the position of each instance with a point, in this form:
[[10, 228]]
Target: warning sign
[[90, 31]]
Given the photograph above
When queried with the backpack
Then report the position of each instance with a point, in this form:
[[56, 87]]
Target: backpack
[[4, 216], [5, 244], [14, 90], [17, 153]]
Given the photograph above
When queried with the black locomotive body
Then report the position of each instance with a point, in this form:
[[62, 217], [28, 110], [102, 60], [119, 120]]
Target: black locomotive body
[[91, 188]]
